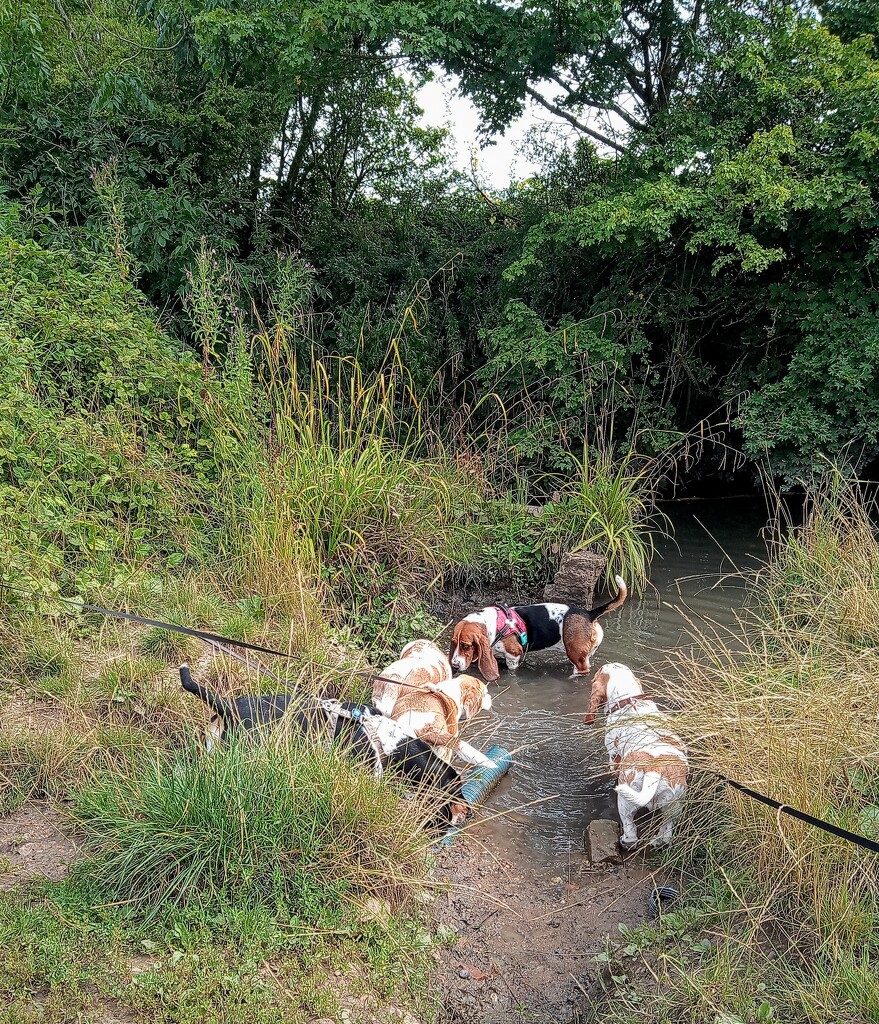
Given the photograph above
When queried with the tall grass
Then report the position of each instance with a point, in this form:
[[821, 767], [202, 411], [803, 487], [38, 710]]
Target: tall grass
[[787, 705], [285, 825], [609, 506]]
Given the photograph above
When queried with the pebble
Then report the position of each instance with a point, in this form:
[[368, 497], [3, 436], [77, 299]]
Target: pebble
[[463, 973]]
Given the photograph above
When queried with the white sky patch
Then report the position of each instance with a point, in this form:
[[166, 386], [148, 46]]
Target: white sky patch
[[499, 163]]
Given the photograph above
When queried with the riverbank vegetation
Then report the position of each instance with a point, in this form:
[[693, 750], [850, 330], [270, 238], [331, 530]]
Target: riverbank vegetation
[[271, 365], [262, 490], [780, 918], [695, 243]]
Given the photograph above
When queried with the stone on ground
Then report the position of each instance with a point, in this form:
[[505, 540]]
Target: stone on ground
[[600, 841]]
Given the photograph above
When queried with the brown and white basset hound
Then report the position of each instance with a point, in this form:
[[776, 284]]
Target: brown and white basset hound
[[421, 664], [648, 758], [507, 633], [434, 715]]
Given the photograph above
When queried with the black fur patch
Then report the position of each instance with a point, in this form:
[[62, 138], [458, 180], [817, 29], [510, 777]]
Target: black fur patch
[[543, 632], [412, 758]]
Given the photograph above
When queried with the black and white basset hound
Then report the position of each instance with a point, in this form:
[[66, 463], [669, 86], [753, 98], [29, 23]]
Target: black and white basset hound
[[507, 633], [360, 729]]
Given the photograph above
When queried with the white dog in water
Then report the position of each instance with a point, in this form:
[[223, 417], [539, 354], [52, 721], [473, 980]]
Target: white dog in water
[[649, 759]]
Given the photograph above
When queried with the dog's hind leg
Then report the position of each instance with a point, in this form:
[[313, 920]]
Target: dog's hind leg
[[213, 735], [669, 814], [629, 836]]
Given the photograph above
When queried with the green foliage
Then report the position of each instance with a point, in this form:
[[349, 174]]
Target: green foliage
[[286, 827], [83, 367], [609, 508], [720, 260]]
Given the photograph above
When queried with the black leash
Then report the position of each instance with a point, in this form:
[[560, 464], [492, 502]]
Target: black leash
[[810, 819], [200, 634]]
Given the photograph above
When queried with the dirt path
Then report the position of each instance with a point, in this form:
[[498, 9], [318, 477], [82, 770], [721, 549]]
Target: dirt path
[[526, 941], [34, 844]]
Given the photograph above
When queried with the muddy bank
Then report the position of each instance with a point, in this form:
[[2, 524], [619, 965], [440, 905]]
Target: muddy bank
[[521, 944], [35, 843]]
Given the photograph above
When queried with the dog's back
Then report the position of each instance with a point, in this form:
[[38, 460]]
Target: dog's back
[[421, 663]]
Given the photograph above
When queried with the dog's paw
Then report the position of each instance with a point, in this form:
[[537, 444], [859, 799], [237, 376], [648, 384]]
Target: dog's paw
[[627, 845], [658, 843], [460, 812]]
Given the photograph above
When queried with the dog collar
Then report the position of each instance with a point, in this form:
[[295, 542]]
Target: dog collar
[[627, 702]]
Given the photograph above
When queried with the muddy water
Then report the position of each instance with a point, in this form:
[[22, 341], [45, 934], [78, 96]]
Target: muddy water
[[557, 783]]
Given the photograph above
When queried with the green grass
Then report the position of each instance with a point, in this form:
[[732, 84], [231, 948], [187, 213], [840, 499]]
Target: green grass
[[286, 826], [68, 957]]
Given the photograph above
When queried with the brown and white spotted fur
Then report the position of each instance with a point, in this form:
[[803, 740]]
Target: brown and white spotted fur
[[421, 663], [648, 758], [549, 627], [434, 716]]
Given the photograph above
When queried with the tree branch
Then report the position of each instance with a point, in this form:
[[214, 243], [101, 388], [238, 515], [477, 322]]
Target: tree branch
[[569, 117]]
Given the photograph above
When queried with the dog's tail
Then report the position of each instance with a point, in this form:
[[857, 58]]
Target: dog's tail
[[614, 603], [217, 703], [641, 797]]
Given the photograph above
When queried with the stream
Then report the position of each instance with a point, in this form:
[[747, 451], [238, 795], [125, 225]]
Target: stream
[[558, 781]]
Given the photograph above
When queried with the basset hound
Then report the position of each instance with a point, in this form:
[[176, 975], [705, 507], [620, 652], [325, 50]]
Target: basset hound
[[507, 633], [649, 759], [434, 715], [383, 744], [421, 664]]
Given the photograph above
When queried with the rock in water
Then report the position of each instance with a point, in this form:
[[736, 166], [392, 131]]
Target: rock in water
[[577, 578], [600, 841]]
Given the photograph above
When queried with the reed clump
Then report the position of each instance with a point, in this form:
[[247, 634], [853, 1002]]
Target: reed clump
[[788, 705], [287, 826]]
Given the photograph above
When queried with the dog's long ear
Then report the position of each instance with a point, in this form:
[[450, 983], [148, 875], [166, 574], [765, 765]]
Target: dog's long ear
[[597, 697], [486, 661], [453, 643]]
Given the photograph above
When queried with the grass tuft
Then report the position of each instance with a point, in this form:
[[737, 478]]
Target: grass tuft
[[284, 825]]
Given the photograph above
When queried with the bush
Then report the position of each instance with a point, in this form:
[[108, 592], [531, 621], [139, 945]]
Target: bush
[[284, 826]]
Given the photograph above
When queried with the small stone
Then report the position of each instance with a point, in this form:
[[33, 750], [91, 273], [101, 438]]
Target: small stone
[[600, 841], [464, 973]]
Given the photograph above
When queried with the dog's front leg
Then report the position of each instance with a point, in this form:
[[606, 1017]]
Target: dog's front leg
[[473, 756]]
